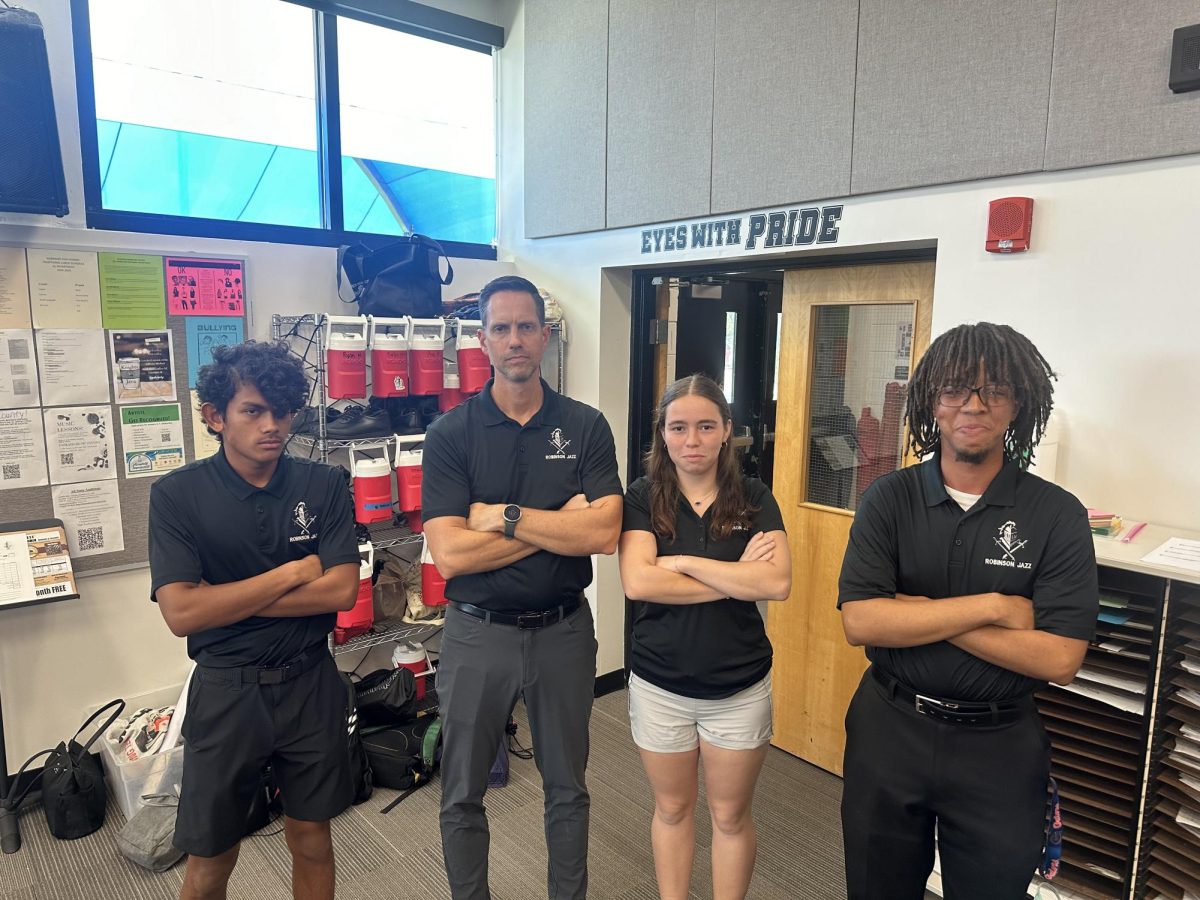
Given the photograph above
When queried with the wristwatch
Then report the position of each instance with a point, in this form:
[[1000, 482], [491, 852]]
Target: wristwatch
[[512, 515]]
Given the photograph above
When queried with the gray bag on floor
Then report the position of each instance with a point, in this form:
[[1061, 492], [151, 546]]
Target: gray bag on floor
[[147, 838]]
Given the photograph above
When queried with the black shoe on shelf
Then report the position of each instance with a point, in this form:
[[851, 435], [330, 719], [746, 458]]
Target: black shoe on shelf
[[360, 423], [307, 421], [408, 421]]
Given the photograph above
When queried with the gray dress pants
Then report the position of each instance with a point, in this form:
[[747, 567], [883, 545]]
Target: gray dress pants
[[484, 668]]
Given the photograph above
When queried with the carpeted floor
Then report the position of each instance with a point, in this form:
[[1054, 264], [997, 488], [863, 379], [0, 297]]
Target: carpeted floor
[[398, 856]]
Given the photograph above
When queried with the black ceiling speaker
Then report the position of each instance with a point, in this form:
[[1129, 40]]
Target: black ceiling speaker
[[31, 172], [1185, 59]]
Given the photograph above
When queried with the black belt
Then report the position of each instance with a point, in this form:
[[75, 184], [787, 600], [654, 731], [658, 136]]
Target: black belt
[[526, 620], [956, 712], [276, 675]]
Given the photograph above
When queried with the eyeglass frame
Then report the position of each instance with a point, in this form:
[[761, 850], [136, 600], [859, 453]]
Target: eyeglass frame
[[978, 392]]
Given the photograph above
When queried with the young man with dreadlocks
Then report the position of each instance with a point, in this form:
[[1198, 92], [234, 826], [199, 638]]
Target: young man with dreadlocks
[[971, 583]]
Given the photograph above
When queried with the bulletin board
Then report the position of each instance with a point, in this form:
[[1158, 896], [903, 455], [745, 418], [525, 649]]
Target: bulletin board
[[156, 316]]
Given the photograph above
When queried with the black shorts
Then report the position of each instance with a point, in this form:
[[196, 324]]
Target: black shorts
[[233, 730]]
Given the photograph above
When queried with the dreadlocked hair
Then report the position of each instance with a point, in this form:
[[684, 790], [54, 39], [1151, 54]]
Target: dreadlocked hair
[[729, 508], [1008, 357]]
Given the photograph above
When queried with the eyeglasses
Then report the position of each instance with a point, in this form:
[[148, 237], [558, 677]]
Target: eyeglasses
[[989, 395]]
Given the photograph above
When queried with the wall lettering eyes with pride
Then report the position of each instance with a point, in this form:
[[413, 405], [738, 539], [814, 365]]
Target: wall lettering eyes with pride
[[767, 231]]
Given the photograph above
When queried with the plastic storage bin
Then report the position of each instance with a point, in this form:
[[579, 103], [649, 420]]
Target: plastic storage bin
[[159, 773]]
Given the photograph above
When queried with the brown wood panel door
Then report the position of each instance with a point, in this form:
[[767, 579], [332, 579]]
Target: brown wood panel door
[[851, 336]]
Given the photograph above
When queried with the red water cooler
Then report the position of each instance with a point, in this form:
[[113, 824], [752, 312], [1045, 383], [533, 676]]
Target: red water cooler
[[474, 368], [414, 658], [372, 482], [450, 396], [346, 357], [353, 622], [388, 342], [427, 339], [408, 478], [433, 585]]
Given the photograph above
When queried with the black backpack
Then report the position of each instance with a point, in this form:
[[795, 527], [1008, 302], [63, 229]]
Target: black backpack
[[404, 757], [403, 278], [360, 766]]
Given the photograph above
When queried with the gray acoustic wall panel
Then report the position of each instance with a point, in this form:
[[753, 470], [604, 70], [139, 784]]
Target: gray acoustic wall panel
[[783, 105], [660, 101], [566, 85], [1109, 99], [950, 90]]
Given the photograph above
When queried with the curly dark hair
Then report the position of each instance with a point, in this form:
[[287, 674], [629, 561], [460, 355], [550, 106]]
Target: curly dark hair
[[730, 508], [269, 366], [1008, 357]]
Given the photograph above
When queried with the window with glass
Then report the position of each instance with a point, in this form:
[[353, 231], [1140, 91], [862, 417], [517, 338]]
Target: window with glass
[[858, 387], [222, 119]]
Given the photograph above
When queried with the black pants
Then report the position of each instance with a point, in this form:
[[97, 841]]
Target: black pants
[[983, 787]]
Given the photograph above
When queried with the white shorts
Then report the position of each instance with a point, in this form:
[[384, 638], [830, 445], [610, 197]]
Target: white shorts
[[663, 722]]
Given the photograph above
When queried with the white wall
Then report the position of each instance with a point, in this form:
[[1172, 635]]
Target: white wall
[[59, 658], [1109, 293]]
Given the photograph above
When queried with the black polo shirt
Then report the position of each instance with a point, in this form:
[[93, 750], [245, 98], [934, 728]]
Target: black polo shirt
[[207, 522], [702, 650], [1024, 536], [477, 454]]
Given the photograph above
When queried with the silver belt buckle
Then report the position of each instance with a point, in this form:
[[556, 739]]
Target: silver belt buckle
[[920, 700]]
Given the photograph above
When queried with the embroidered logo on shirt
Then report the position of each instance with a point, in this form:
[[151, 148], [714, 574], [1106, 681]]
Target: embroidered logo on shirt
[[306, 522], [1008, 541], [560, 444]]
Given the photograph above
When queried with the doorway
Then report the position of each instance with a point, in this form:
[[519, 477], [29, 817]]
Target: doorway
[[817, 357]]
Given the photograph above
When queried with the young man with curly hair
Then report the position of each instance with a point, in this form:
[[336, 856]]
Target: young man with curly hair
[[252, 554]]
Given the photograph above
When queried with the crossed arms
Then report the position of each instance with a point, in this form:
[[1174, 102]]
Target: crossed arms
[[301, 587], [764, 572], [465, 546], [997, 628]]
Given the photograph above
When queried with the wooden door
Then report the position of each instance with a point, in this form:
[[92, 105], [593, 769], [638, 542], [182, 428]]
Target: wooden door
[[850, 337]]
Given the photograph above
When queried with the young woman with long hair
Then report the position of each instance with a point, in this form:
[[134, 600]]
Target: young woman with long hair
[[700, 544]]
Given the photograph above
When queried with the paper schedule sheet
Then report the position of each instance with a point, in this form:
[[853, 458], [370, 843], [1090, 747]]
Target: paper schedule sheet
[[1178, 552]]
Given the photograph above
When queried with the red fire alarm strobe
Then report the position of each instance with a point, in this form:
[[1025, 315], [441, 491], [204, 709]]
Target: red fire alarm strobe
[[1010, 221]]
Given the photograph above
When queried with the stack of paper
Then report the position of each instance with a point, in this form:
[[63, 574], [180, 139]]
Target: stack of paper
[[1103, 522]]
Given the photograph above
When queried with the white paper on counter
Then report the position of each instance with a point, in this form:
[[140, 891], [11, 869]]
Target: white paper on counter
[[92, 515], [72, 364], [79, 444], [1178, 552]]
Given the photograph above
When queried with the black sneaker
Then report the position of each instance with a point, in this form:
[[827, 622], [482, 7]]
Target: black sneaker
[[307, 420], [357, 422], [409, 422]]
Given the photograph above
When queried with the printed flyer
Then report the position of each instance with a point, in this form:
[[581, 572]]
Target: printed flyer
[[151, 439]]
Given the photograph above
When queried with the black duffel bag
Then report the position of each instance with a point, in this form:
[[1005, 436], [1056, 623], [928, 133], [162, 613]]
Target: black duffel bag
[[404, 757], [403, 278], [386, 697], [73, 791]]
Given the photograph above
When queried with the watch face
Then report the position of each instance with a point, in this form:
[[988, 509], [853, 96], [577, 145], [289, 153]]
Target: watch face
[[512, 513]]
